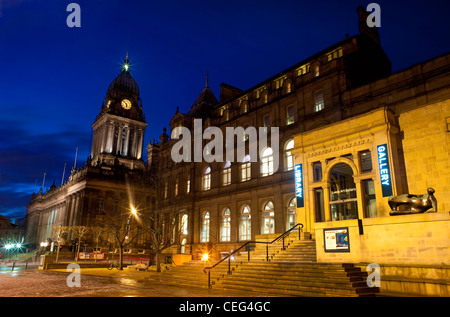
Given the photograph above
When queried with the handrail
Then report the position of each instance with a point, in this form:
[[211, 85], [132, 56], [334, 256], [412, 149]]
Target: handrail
[[282, 236]]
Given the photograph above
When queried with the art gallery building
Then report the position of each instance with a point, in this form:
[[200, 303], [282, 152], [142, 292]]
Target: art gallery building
[[393, 140]]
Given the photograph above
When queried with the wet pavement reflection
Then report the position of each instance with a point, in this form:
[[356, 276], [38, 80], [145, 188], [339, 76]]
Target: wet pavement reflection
[[31, 282]]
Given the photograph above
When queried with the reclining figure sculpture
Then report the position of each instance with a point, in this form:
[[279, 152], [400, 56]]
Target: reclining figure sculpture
[[416, 203]]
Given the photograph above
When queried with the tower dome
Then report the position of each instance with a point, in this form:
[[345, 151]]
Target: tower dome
[[124, 83]]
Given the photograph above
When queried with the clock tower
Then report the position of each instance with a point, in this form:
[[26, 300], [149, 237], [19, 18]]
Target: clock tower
[[118, 131]]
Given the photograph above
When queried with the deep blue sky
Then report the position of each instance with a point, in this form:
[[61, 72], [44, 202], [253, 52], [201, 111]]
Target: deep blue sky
[[53, 79]]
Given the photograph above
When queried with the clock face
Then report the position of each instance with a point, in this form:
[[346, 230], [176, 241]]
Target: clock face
[[126, 104]]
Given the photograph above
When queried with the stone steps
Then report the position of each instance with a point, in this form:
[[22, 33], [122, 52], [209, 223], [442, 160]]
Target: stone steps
[[292, 271], [298, 279]]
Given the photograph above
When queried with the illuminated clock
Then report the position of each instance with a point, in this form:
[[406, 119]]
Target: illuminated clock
[[126, 104]]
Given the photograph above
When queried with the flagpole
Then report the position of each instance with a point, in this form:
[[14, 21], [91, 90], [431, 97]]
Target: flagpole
[[43, 181], [64, 171], [75, 163]]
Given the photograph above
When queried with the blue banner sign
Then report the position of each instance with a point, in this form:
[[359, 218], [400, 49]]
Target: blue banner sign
[[385, 173], [299, 185]]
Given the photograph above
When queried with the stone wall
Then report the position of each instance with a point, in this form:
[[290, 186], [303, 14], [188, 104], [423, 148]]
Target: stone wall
[[407, 239], [426, 148]]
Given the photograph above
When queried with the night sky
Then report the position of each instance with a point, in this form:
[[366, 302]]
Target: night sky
[[53, 79]]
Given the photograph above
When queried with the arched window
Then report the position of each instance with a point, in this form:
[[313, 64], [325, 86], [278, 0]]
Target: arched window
[[244, 107], [343, 200], [267, 162], [225, 226], [184, 224], [316, 70], [226, 174], [268, 218], [245, 225], [183, 246], [204, 236], [246, 169], [206, 182], [176, 187], [289, 158], [291, 213]]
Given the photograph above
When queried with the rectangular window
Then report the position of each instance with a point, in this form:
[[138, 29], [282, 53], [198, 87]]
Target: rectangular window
[[226, 226], [246, 172], [176, 188], [365, 159], [226, 176], [370, 203], [318, 205], [318, 101], [206, 182], [317, 171], [290, 115]]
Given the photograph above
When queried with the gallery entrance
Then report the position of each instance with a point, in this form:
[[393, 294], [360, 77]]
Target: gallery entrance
[[343, 200]]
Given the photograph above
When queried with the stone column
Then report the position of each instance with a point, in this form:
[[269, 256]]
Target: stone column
[[140, 145], [127, 141]]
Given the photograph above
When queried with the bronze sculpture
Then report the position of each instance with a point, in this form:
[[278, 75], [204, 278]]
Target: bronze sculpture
[[416, 203]]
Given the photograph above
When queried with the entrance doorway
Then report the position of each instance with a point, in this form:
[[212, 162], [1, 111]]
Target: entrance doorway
[[343, 202]]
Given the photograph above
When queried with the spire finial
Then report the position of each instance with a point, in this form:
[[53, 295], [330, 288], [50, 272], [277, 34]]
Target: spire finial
[[206, 79], [126, 64]]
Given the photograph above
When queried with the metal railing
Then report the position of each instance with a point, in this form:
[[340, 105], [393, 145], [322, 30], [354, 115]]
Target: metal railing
[[228, 257]]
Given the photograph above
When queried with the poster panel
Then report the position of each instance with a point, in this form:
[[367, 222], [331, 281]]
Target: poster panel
[[336, 240]]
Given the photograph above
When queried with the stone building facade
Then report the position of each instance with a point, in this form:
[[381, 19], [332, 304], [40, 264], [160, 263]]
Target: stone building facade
[[114, 170], [221, 205]]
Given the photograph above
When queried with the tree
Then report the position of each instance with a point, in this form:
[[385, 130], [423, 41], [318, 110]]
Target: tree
[[79, 232], [59, 233], [122, 228], [162, 229], [97, 232]]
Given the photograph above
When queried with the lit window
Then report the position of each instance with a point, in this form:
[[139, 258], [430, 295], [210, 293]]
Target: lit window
[[318, 101], [176, 187], [244, 107], [246, 169], [290, 115], [303, 70], [289, 156], [245, 226], [188, 185], [268, 218], [207, 179], [225, 229], [204, 237], [292, 214], [365, 160], [316, 71], [184, 224], [288, 87], [226, 174], [267, 162]]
